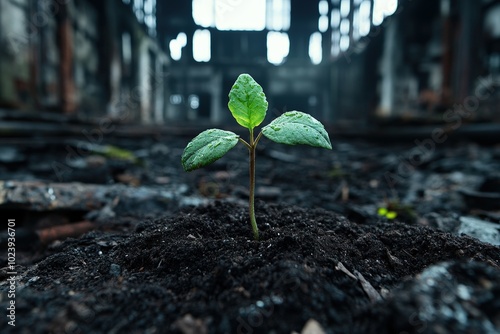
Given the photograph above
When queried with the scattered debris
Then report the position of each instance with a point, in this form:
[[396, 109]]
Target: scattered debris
[[190, 325], [480, 229], [449, 297], [341, 267], [312, 327], [43, 196], [368, 288], [59, 232], [393, 260]]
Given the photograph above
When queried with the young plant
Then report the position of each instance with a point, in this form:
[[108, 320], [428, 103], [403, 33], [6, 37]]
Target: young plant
[[248, 105]]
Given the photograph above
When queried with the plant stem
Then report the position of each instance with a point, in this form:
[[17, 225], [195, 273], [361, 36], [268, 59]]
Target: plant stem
[[251, 200]]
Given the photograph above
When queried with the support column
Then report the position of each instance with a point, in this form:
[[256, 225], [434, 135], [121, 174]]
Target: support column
[[216, 116], [388, 69], [468, 47], [65, 41]]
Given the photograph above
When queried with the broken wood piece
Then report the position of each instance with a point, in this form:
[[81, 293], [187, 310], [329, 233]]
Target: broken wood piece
[[312, 327], [368, 288], [44, 196], [191, 325], [54, 233], [75, 196], [343, 269], [393, 260]]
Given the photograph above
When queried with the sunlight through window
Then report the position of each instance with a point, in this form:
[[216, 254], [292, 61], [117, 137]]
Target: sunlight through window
[[176, 46], [344, 27], [323, 16], [323, 7], [364, 18], [201, 45], [316, 48], [278, 47], [378, 12], [240, 15], [203, 13], [355, 24], [278, 15], [382, 9], [345, 7], [390, 7], [344, 43], [335, 18], [323, 23], [335, 43]]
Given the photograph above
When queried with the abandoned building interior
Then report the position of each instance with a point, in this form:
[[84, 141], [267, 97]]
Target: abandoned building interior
[[350, 63], [387, 222]]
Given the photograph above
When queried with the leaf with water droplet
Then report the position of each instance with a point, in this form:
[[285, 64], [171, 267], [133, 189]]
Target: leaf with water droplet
[[207, 147], [295, 128], [247, 102]]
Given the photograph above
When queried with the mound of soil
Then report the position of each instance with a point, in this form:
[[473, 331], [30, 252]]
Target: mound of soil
[[199, 271]]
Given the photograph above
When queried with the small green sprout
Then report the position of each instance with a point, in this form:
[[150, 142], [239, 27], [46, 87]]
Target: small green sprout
[[248, 105], [393, 209], [387, 213]]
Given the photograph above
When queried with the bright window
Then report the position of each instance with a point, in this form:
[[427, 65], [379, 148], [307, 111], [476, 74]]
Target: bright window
[[243, 15], [176, 46], [202, 45], [316, 48], [382, 9], [203, 13], [278, 46], [278, 15]]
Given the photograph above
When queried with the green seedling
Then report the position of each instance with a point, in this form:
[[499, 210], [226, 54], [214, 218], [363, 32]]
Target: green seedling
[[394, 209], [387, 213], [248, 105]]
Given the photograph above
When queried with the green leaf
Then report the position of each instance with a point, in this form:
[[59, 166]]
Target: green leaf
[[295, 127], [208, 146], [247, 102]]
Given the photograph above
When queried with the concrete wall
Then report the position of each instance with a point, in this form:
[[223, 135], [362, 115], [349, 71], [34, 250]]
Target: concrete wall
[[15, 56], [71, 57], [429, 57]]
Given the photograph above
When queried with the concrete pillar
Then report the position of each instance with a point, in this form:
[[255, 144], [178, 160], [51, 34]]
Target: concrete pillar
[[144, 82], [159, 82], [216, 116], [388, 70], [67, 88]]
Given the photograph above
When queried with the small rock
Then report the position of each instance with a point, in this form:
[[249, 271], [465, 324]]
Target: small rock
[[268, 193], [312, 327], [11, 155], [480, 229], [449, 297], [115, 270], [190, 325]]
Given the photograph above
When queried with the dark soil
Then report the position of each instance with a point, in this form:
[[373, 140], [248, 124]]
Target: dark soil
[[203, 262], [324, 254]]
